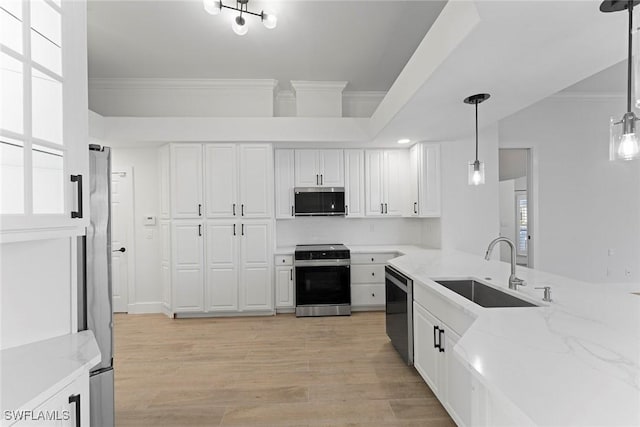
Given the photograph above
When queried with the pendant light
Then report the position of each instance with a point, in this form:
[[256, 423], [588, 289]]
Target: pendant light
[[623, 138], [476, 168]]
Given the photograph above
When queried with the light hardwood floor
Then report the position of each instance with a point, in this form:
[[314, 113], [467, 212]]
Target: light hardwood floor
[[266, 371]]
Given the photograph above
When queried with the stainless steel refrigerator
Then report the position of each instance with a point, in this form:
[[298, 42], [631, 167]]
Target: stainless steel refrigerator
[[95, 311]]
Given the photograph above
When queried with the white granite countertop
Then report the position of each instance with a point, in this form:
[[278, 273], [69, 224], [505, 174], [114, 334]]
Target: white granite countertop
[[574, 361], [33, 372], [289, 250]]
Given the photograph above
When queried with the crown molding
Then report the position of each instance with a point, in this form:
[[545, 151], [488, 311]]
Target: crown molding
[[318, 86], [370, 94], [161, 83]]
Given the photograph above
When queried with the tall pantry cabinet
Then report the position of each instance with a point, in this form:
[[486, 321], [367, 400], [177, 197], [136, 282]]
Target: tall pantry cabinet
[[217, 225]]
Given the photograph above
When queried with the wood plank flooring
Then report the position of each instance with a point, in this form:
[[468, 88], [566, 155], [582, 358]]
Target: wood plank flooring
[[266, 371]]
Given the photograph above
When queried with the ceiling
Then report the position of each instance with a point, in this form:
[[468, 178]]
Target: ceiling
[[366, 43]]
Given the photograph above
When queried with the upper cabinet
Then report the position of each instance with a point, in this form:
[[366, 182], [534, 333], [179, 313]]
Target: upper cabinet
[[186, 181], [354, 183], [218, 180], [44, 138], [424, 180], [385, 178], [285, 181], [319, 168]]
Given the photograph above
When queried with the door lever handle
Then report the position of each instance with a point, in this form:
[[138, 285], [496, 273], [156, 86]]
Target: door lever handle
[[120, 250]]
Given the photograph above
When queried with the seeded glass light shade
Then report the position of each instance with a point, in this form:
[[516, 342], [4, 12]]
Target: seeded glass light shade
[[212, 7], [269, 20], [240, 26], [623, 140], [476, 173]]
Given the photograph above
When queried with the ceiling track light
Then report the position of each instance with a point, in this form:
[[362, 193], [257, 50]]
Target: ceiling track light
[[623, 138], [476, 168], [239, 25]]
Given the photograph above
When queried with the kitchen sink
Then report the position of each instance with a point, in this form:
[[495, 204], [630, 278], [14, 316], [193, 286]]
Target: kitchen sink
[[483, 295]]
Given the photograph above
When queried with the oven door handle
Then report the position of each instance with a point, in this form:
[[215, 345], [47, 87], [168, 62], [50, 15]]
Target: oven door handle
[[323, 263]]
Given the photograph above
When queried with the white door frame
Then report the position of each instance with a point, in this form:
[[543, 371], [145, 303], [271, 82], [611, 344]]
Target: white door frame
[[131, 229]]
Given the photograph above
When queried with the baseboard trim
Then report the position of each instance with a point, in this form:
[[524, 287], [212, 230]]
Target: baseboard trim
[[225, 314], [146, 308]]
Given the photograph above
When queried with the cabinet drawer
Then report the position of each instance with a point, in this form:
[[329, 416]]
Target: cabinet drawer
[[367, 273], [378, 258], [366, 295], [284, 260]]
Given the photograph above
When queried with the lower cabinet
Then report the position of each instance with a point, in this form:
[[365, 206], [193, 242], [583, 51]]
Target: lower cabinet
[[285, 298], [221, 266], [68, 407], [435, 361], [367, 280]]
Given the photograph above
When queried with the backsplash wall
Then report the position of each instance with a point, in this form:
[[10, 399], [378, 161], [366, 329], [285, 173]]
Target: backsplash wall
[[356, 231]]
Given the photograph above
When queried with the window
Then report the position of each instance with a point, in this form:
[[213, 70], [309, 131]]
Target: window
[[32, 151], [521, 224]]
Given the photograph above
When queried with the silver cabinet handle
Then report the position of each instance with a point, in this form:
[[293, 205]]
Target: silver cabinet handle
[[234, 229], [234, 209], [317, 179], [381, 208], [242, 209], [242, 231], [199, 210], [385, 209], [199, 229], [415, 207], [321, 179]]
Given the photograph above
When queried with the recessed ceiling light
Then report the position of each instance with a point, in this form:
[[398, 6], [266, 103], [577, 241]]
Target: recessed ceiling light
[[404, 141]]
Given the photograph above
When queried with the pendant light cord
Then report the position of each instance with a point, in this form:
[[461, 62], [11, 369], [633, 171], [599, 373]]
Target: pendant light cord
[[630, 7], [477, 129]]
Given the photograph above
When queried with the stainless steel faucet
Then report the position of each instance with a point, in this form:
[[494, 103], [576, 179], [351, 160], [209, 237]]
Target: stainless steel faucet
[[514, 282]]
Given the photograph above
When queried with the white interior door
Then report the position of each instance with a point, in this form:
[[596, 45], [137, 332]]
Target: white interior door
[[121, 235]]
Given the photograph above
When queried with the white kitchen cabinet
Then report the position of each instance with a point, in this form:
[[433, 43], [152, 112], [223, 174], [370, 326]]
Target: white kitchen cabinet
[[424, 180], [222, 266], [435, 361], [354, 189], [186, 181], [367, 281], [221, 180], [187, 244], [255, 266], [385, 182], [285, 301], [63, 407], [319, 168], [255, 177], [44, 161], [165, 264], [284, 183]]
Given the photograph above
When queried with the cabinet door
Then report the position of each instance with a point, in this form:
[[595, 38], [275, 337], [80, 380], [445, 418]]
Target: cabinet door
[[307, 172], [221, 186], [164, 163], [354, 183], [256, 264], [284, 287], [457, 382], [285, 181], [256, 181], [221, 289], [186, 181], [429, 180], [187, 278], [414, 198], [373, 183], [331, 168], [425, 356], [394, 183]]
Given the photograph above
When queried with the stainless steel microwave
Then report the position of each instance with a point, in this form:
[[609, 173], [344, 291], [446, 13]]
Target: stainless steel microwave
[[319, 201]]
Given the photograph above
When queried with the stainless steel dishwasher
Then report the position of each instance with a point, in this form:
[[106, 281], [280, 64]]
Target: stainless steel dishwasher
[[399, 312]]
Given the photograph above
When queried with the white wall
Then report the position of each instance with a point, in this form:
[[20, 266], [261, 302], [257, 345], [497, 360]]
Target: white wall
[[36, 300], [507, 216], [470, 214], [147, 292], [356, 231], [584, 205]]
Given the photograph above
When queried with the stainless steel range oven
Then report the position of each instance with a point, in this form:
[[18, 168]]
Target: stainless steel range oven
[[323, 280]]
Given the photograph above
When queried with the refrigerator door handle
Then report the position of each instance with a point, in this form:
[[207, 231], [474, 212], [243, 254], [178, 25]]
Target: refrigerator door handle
[[78, 213], [75, 399]]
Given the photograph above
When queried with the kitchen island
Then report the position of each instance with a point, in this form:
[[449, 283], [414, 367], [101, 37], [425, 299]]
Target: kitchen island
[[572, 361]]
